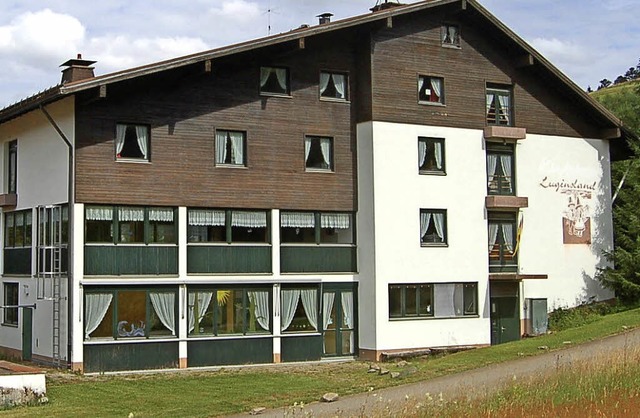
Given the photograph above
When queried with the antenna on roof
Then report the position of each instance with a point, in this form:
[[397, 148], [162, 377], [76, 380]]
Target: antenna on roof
[[268, 13]]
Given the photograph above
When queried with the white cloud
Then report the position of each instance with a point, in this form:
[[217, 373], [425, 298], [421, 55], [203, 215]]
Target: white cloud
[[237, 10], [558, 51]]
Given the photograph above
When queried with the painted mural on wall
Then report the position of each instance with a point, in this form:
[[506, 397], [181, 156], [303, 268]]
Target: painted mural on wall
[[576, 217]]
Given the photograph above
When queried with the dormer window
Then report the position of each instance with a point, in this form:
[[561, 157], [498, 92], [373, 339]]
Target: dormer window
[[274, 80], [450, 35], [430, 90], [132, 142]]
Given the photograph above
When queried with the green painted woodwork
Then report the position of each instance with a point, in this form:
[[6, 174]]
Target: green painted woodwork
[[17, 260], [129, 259], [505, 320], [133, 356], [301, 348], [317, 259], [228, 259], [230, 351], [27, 334]]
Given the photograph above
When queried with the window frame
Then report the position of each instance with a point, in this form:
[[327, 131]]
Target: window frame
[[331, 73], [243, 163], [425, 78], [499, 90], [228, 228], [117, 155], [444, 32], [12, 167], [469, 290], [11, 297], [502, 149], [300, 305], [501, 218], [272, 72], [430, 143], [445, 232], [317, 229], [27, 229], [116, 224], [317, 140]]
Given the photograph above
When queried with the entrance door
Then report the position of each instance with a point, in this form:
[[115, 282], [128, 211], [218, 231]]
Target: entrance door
[[505, 320], [338, 317], [27, 319]]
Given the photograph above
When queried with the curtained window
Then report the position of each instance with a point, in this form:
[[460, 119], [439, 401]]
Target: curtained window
[[134, 224], [440, 300], [318, 153], [217, 225], [499, 109], [430, 89], [231, 148], [502, 241], [132, 142], [500, 169], [334, 85], [274, 80], [316, 227], [299, 309], [433, 226], [431, 155], [450, 35]]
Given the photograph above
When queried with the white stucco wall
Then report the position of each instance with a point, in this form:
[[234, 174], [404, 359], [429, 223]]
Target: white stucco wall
[[392, 192]]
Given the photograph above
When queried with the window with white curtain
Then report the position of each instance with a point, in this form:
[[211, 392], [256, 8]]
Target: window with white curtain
[[133, 224], [430, 90], [299, 309], [231, 148], [316, 227], [450, 35], [318, 153], [225, 225], [132, 142], [431, 155], [500, 169], [502, 241], [433, 227], [274, 80], [499, 107], [438, 300], [334, 85]]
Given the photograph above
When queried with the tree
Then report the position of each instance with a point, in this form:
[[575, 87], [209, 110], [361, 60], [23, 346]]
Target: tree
[[620, 79], [631, 74], [604, 83]]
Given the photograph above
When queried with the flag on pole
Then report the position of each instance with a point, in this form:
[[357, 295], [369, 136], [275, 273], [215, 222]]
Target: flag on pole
[[518, 234]]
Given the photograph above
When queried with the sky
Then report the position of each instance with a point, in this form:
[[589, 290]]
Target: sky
[[586, 39]]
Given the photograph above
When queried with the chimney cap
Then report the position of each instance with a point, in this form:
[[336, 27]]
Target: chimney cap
[[326, 15], [78, 62]]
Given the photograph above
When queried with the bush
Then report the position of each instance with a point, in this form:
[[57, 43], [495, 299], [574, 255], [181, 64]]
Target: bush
[[585, 313]]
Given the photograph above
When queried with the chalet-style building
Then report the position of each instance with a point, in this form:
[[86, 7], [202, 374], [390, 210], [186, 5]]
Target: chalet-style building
[[414, 177]]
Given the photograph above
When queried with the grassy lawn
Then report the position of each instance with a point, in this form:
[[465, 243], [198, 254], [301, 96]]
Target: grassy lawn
[[234, 390]]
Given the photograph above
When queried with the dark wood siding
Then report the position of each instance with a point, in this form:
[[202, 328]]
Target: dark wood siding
[[185, 106], [413, 47]]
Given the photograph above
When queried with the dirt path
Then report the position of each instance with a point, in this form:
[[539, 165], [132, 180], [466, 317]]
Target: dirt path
[[470, 384]]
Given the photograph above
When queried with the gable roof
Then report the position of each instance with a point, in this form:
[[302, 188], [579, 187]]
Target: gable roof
[[534, 58]]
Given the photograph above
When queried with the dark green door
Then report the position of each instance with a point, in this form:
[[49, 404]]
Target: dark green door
[[338, 317], [505, 320], [27, 319]]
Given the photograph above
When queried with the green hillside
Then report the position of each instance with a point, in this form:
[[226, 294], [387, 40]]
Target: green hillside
[[624, 101]]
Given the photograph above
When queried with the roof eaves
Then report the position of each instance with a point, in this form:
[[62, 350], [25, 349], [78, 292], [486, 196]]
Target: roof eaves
[[30, 103]]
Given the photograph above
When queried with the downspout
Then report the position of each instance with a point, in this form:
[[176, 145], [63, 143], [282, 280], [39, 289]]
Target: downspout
[[69, 232]]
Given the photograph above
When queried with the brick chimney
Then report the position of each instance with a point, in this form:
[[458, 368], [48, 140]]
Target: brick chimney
[[324, 18], [384, 6], [77, 69]]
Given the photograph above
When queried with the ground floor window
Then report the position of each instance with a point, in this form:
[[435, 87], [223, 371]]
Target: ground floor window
[[433, 300], [10, 315], [227, 311], [299, 309], [130, 313]]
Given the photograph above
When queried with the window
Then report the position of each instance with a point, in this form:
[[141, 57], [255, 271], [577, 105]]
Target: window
[[130, 313], [450, 35], [227, 226], [132, 225], [231, 148], [499, 107], [10, 316], [132, 142], [12, 168], [410, 300], [334, 86], [318, 153], [316, 228], [17, 229], [430, 89], [500, 169], [274, 80], [299, 309], [440, 300], [502, 242], [433, 227], [431, 155]]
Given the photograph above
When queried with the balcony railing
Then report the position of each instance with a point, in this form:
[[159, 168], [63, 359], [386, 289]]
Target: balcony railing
[[502, 259], [130, 259], [317, 259], [228, 259]]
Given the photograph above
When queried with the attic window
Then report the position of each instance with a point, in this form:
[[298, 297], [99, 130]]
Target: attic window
[[274, 80], [132, 142], [430, 90], [450, 35]]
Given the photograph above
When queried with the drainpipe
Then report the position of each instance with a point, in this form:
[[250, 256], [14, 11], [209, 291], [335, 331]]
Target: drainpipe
[[69, 232]]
